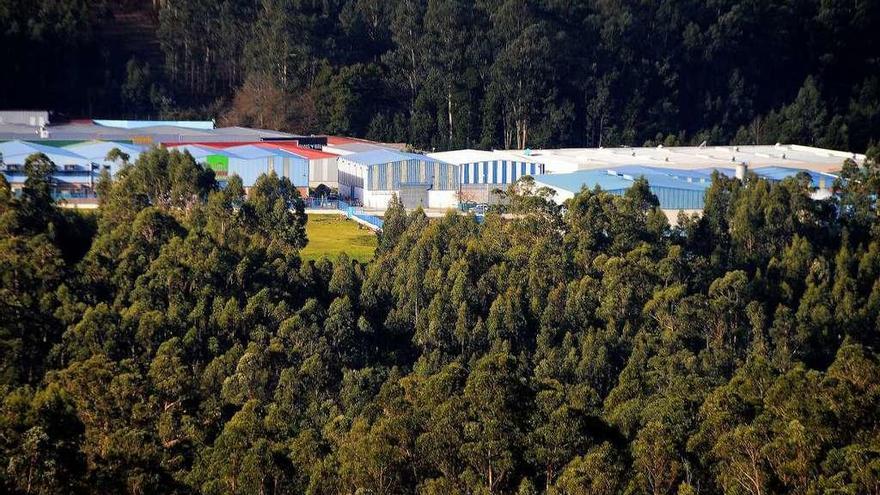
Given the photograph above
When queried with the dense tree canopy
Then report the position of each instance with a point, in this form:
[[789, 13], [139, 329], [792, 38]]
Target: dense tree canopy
[[456, 73], [183, 347]]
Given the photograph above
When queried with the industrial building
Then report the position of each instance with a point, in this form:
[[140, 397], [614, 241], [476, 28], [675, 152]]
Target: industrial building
[[372, 177], [674, 193], [36, 126], [75, 175], [214, 158], [322, 165], [250, 161], [96, 152], [482, 172], [368, 172], [676, 189], [692, 157]]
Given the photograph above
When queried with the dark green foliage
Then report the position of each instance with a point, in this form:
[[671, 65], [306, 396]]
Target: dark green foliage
[[590, 348], [452, 74]]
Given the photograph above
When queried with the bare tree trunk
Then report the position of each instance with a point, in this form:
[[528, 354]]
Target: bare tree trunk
[[449, 113]]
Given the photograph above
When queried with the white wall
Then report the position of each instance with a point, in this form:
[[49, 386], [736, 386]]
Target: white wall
[[442, 199], [376, 199]]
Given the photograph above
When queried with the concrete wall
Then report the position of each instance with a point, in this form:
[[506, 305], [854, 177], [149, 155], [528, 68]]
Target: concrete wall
[[376, 199], [442, 199]]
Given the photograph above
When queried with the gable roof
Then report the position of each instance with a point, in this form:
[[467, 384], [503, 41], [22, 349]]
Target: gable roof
[[16, 152], [379, 156]]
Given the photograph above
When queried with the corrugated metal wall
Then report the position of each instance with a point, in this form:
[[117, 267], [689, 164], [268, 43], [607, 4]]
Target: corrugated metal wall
[[428, 173], [679, 199], [350, 174], [294, 168], [323, 171], [498, 171]]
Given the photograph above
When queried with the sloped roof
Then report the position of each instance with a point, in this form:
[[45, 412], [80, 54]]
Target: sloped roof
[[199, 151], [97, 150], [376, 157], [16, 152], [300, 150], [252, 151], [574, 181]]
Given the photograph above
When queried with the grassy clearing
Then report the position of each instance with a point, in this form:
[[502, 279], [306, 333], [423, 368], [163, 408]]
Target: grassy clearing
[[330, 235]]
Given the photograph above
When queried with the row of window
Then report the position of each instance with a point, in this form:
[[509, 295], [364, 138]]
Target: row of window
[[77, 169]]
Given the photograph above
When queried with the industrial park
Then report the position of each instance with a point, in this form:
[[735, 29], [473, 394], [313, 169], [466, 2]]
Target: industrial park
[[367, 174]]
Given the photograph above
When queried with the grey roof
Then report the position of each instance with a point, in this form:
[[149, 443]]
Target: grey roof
[[157, 133]]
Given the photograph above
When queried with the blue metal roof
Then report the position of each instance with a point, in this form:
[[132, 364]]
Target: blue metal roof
[[97, 150], [16, 152], [673, 193], [658, 176], [777, 173], [574, 181], [818, 179], [377, 157], [726, 171], [138, 124]]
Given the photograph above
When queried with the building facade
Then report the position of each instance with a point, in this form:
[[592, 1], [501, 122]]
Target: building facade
[[373, 177]]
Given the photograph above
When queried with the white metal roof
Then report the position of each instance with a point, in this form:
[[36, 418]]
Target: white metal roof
[[697, 157], [459, 157]]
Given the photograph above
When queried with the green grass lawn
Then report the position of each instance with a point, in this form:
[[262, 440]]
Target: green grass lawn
[[330, 235]]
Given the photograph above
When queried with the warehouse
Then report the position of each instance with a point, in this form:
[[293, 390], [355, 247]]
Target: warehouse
[[371, 178], [482, 172], [36, 126], [680, 192], [96, 152], [214, 158], [695, 157], [323, 168], [75, 175], [251, 161]]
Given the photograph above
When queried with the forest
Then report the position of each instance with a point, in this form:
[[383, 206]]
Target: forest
[[450, 74], [174, 342]]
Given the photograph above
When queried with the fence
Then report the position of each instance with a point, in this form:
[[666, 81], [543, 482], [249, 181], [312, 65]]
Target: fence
[[59, 195], [321, 204]]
